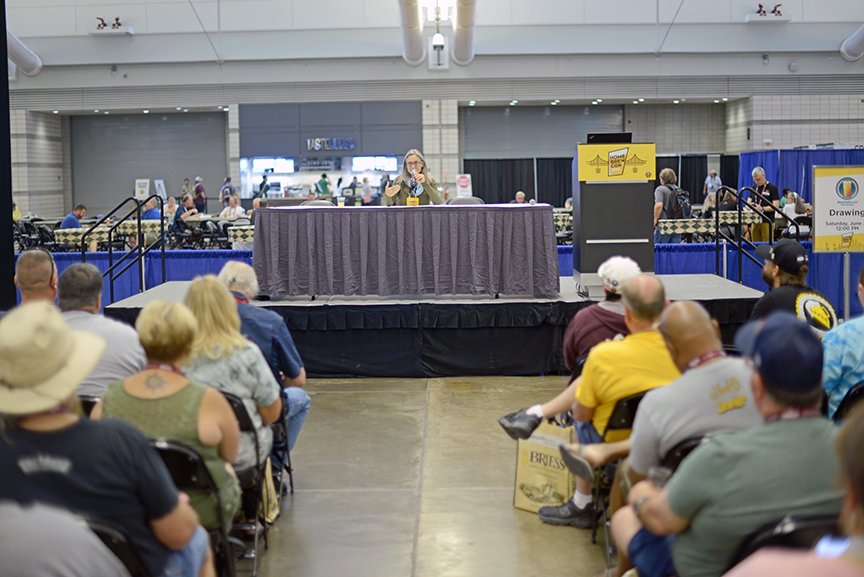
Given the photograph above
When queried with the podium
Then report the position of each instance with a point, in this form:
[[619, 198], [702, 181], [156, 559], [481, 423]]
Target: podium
[[613, 202]]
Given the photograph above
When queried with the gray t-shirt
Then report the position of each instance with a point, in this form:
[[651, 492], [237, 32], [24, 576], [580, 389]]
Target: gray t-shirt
[[712, 398], [738, 482], [662, 194], [243, 372], [65, 546], [123, 356]]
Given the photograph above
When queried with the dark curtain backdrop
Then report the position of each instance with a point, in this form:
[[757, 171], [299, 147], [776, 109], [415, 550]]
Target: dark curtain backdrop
[[497, 181], [694, 169], [665, 162], [729, 170], [554, 180]]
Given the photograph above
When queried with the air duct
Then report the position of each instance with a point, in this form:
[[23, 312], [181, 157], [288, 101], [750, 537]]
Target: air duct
[[25, 59], [413, 46], [853, 47], [463, 32]]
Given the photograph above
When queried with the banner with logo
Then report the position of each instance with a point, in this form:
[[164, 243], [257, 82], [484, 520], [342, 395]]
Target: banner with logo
[[838, 209], [142, 188], [599, 162]]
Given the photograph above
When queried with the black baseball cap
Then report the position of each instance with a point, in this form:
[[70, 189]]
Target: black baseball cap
[[786, 253]]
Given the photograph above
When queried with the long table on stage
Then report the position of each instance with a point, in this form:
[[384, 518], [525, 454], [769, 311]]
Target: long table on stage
[[396, 251]]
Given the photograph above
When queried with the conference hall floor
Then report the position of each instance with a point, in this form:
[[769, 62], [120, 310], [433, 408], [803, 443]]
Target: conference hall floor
[[414, 478]]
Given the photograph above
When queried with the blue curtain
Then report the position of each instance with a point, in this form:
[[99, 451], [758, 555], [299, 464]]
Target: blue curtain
[[187, 264], [794, 168]]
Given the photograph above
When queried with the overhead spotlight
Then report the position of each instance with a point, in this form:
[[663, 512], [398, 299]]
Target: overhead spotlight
[[725, 99], [179, 108], [641, 100], [676, 102], [554, 103], [716, 101], [227, 109], [96, 111], [514, 102], [106, 112], [185, 110], [635, 102], [146, 111], [55, 112], [594, 102], [599, 100], [472, 103], [557, 101]]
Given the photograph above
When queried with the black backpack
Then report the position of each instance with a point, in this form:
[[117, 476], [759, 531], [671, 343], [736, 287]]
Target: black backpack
[[678, 203]]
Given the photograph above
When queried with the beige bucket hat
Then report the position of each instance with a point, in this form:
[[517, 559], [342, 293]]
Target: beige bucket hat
[[42, 360]]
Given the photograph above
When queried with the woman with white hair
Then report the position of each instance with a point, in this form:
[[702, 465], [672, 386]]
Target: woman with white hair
[[414, 185]]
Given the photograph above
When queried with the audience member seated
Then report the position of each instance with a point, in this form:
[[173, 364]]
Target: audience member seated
[[162, 403], [151, 212], [785, 271], [36, 276], [224, 359], [67, 547], [106, 470], [613, 370], [602, 321], [268, 331], [233, 210], [256, 204], [73, 219], [737, 482], [519, 198], [844, 356], [80, 289], [171, 208], [849, 445], [711, 396], [183, 212]]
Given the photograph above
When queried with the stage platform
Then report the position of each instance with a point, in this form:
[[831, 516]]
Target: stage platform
[[439, 336]]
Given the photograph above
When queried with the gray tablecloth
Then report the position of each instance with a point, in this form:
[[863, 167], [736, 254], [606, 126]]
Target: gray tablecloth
[[413, 250]]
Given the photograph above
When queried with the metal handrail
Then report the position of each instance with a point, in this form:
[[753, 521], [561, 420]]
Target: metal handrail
[[135, 255], [741, 241]]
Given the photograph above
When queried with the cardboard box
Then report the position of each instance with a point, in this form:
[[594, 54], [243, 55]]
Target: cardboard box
[[541, 477]]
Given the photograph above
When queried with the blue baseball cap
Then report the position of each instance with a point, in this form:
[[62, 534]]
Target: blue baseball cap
[[785, 352]]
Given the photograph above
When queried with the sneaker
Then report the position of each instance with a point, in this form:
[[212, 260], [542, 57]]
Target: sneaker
[[568, 514], [519, 425]]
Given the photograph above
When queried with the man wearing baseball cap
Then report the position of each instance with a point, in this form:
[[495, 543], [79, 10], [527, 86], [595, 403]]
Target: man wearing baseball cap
[[738, 482], [785, 271], [105, 469]]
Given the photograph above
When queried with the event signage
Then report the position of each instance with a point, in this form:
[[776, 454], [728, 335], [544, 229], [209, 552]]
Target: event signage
[[610, 162], [838, 209], [463, 185], [324, 144], [142, 188]]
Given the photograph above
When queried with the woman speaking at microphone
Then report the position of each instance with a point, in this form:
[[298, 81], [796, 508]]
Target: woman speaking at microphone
[[413, 186]]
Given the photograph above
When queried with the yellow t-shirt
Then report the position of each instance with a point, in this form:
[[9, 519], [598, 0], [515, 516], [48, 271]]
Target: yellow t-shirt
[[618, 369]]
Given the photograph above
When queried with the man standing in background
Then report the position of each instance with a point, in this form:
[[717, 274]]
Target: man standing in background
[[200, 195], [712, 183], [227, 191]]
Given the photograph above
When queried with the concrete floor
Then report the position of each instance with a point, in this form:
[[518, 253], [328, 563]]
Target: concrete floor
[[414, 478]]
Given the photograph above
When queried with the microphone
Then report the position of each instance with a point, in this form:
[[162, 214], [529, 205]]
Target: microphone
[[413, 181]]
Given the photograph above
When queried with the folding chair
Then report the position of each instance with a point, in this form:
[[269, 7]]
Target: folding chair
[[280, 436], [853, 397], [118, 543], [672, 460], [190, 473], [621, 419], [247, 425], [790, 532]]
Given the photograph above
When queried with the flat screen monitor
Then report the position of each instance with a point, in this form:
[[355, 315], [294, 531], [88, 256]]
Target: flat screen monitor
[[610, 138]]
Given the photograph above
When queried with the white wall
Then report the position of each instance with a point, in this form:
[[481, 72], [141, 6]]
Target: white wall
[[678, 128], [37, 163]]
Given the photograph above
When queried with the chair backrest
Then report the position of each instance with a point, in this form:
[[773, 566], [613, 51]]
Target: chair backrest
[[317, 202], [787, 533], [117, 542], [87, 403], [185, 465], [240, 412], [624, 413], [466, 200], [676, 454], [852, 398]]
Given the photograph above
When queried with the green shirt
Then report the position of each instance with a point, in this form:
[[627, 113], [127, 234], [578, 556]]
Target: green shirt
[[324, 187], [430, 195], [739, 482]]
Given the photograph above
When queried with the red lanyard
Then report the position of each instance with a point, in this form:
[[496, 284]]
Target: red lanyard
[[702, 359]]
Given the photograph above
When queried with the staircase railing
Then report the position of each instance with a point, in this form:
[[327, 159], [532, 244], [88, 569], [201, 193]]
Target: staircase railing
[[739, 242], [135, 254]]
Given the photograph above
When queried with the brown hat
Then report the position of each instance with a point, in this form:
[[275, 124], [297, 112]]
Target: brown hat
[[42, 360]]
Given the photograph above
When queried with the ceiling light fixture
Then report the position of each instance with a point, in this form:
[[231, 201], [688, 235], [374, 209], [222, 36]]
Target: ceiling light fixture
[[676, 102], [716, 101], [185, 110], [635, 102], [599, 100], [146, 111], [179, 108], [724, 99], [594, 102], [554, 103], [641, 100], [55, 112], [96, 111], [472, 103]]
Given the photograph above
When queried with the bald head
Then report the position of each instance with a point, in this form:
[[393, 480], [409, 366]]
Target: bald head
[[689, 331], [644, 297], [36, 276]]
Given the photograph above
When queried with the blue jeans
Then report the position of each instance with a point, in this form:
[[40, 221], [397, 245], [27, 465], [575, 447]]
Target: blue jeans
[[651, 554], [297, 402], [187, 562], [666, 238]]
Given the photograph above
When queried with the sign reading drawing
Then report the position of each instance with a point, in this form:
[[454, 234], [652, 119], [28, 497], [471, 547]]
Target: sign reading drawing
[[604, 162], [838, 209]]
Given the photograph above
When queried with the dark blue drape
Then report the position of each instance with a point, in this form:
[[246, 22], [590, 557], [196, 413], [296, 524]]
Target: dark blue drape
[[794, 168]]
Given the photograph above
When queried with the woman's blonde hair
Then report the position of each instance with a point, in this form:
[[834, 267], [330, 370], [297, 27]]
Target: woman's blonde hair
[[405, 175], [218, 321], [166, 331]]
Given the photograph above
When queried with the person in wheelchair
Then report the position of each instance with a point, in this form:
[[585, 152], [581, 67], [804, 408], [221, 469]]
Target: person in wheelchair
[[737, 482]]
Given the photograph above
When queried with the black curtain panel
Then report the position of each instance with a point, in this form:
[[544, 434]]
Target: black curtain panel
[[554, 180], [729, 169], [694, 169], [665, 162], [496, 181]]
